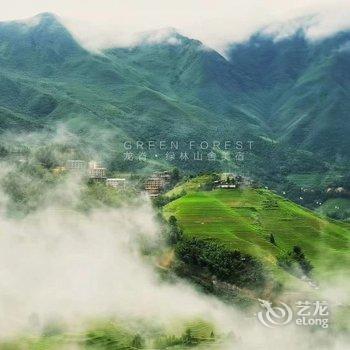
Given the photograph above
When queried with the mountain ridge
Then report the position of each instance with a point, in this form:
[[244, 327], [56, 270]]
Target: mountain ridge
[[292, 90]]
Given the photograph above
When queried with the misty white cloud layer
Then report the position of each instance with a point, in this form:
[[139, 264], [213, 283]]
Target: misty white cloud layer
[[105, 23], [63, 266], [58, 264]]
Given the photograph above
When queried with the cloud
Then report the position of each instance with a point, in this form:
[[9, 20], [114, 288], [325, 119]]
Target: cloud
[[58, 264], [109, 23]]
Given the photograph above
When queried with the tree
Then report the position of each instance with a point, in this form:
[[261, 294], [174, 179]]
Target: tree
[[227, 265], [304, 263], [294, 261], [306, 266], [175, 174], [3, 152], [188, 338], [137, 342], [175, 233], [272, 239], [298, 252], [172, 220]]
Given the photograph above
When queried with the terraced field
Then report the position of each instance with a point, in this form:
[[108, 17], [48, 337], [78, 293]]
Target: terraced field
[[118, 337], [244, 220]]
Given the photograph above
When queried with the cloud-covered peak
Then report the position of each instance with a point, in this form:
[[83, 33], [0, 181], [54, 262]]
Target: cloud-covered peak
[[45, 18], [168, 35], [281, 30], [107, 24]]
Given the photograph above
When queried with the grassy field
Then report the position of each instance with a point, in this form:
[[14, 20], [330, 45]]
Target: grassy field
[[244, 220], [193, 185]]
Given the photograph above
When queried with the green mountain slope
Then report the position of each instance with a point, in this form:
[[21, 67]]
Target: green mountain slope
[[291, 92], [303, 88], [46, 54], [244, 219]]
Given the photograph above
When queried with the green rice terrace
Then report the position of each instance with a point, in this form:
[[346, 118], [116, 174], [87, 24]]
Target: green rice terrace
[[115, 335], [244, 219]]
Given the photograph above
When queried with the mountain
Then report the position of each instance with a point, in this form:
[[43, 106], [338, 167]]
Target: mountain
[[291, 92], [37, 45], [181, 86], [302, 87]]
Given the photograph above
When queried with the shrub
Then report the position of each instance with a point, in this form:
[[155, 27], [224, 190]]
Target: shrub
[[295, 261], [227, 265], [175, 233], [272, 239]]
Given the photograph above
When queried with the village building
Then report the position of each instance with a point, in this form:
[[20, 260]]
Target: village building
[[94, 165], [116, 183], [232, 181], [94, 170], [165, 175], [225, 186], [76, 165], [227, 176], [157, 182], [154, 186], [97, 172]]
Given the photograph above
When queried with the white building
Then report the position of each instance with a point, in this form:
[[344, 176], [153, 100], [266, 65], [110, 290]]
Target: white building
[[96, 171], [226, 186], [95, 165], [116, 183], [76, 164]]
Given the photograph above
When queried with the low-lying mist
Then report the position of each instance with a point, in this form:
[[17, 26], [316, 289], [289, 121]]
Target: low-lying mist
[[58, 264]]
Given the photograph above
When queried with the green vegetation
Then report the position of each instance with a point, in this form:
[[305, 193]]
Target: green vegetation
[[227, 265], [198, 183], [97, 195], [115, 336], [295, 262], [175, 233], [336, 208], [244, 220], [186, 92], [31, 186], [291, 97], [26, 187], [311, 180]]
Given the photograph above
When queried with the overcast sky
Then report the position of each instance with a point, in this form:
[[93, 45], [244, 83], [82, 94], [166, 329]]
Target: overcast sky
[[215, 22]]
